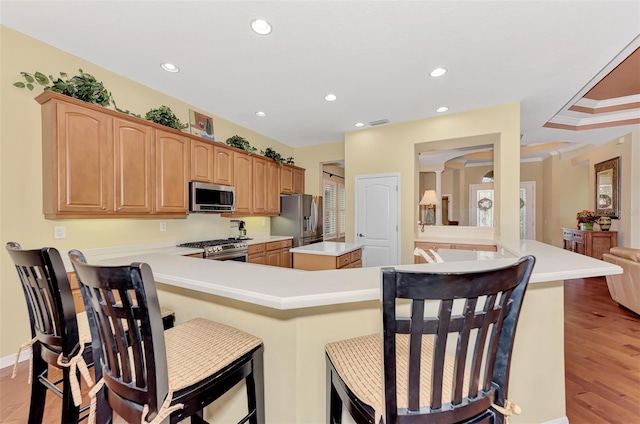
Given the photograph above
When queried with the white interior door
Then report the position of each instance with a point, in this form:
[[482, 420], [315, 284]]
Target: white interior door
[[377, 213]]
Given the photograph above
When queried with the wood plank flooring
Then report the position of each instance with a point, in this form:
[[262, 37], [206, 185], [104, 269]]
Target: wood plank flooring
[[602, 356], [602, 363]]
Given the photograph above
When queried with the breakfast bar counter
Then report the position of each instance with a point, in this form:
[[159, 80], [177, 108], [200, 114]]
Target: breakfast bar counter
[[297, 312]]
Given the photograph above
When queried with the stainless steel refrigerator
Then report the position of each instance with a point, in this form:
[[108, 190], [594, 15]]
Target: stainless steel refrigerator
[[300, 217]]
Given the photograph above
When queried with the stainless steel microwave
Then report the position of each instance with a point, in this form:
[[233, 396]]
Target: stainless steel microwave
[[204, 197]]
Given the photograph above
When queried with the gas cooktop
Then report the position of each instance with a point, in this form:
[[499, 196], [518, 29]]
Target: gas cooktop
[[215, 248]]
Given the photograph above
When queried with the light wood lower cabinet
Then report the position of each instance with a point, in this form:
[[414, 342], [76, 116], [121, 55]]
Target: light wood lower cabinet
[[311, 262], [435, 246], [274, 253]]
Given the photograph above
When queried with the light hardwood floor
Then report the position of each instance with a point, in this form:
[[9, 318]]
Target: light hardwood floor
[[602, 363]]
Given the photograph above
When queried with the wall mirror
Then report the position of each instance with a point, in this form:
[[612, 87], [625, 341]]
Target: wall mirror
[[607, 187]]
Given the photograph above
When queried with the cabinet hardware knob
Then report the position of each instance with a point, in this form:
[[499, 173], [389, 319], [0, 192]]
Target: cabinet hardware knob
[[120, 208], [360, 235], [104, 208]]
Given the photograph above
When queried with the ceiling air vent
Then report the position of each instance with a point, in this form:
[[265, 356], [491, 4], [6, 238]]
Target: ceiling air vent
[[379, 122]]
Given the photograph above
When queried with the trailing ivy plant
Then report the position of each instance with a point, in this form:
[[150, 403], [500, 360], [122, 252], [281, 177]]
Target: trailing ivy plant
[[165, 116], [82, 87], [241, 143], [272, 154]]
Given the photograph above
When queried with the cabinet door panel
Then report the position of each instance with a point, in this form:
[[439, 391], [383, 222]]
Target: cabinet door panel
[[298, 181], [273, 258], [132, 165], [222, 166], [84, 165], [286, 179], [201, 161], [285, 258], [273, 188], [259, 186], [172, 172], [242, 175]]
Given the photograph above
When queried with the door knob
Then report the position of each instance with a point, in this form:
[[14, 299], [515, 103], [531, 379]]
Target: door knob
[[360, 235]]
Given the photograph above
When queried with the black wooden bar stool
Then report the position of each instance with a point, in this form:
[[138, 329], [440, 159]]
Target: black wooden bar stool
[[406, 375], [150, 375], [61, 338]]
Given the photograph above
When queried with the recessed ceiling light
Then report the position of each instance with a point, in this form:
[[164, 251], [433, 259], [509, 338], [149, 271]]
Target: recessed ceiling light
[[330, 97], [438, 72], [169, 67], [261, 113], [359, 124], [260, 26], [442, 109]]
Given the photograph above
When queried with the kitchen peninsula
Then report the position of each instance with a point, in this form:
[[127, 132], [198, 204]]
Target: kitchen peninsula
[[297, 312]]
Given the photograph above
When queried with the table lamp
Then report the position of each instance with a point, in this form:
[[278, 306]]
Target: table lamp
[[430, 200]]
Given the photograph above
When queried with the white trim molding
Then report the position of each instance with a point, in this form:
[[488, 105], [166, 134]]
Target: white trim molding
[[9, 360], [561, 420]]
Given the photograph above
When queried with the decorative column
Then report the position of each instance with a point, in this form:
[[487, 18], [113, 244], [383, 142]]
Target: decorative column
[[439, 193]]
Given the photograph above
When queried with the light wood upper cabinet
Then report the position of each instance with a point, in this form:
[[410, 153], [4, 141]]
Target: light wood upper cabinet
[[222, 166], [202, 161], [242, 180], [259, 185], [298, 180], [273, 188], [172, 172], [132, 167], [77, 160], [286, 179]]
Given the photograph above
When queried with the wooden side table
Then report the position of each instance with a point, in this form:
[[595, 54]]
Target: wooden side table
[[589, 243]]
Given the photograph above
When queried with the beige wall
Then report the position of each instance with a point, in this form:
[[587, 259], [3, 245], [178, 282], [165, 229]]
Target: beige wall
[[562, 201], [391, 149], [21, 216], [312, 159]]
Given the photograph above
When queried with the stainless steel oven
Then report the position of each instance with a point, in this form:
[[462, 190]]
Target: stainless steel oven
[[222, 249]]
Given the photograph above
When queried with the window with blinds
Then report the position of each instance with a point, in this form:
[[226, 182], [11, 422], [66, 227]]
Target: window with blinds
[[330, 215], [334, 209]]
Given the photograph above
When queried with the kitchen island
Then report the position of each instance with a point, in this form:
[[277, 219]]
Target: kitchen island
[[327, 255], [297, 312]]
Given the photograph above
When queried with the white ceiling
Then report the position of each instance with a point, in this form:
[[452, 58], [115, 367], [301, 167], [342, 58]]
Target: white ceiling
[[374, 55]]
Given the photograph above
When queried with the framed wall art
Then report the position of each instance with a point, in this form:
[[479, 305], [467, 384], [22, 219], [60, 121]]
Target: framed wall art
[[201, 125]]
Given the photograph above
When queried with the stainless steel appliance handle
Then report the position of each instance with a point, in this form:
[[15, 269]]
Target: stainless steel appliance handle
[[230, 255], [314, 215]]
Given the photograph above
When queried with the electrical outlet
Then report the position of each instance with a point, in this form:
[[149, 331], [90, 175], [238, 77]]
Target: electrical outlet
[[163, 226], [59, 232]]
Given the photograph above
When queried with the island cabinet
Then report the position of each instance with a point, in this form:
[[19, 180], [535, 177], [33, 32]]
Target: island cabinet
[[425, 245], [589, 243], [315, 261], [98, 164]]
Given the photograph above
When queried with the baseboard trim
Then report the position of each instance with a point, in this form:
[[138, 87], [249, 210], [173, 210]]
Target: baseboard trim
[[562, 420], [9, 360]]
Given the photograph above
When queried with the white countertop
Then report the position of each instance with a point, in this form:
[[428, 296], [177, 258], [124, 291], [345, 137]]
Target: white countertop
[[284, 288], [454, 240], [326, 248]]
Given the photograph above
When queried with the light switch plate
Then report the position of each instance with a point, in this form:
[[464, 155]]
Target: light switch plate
[[163, 226]]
